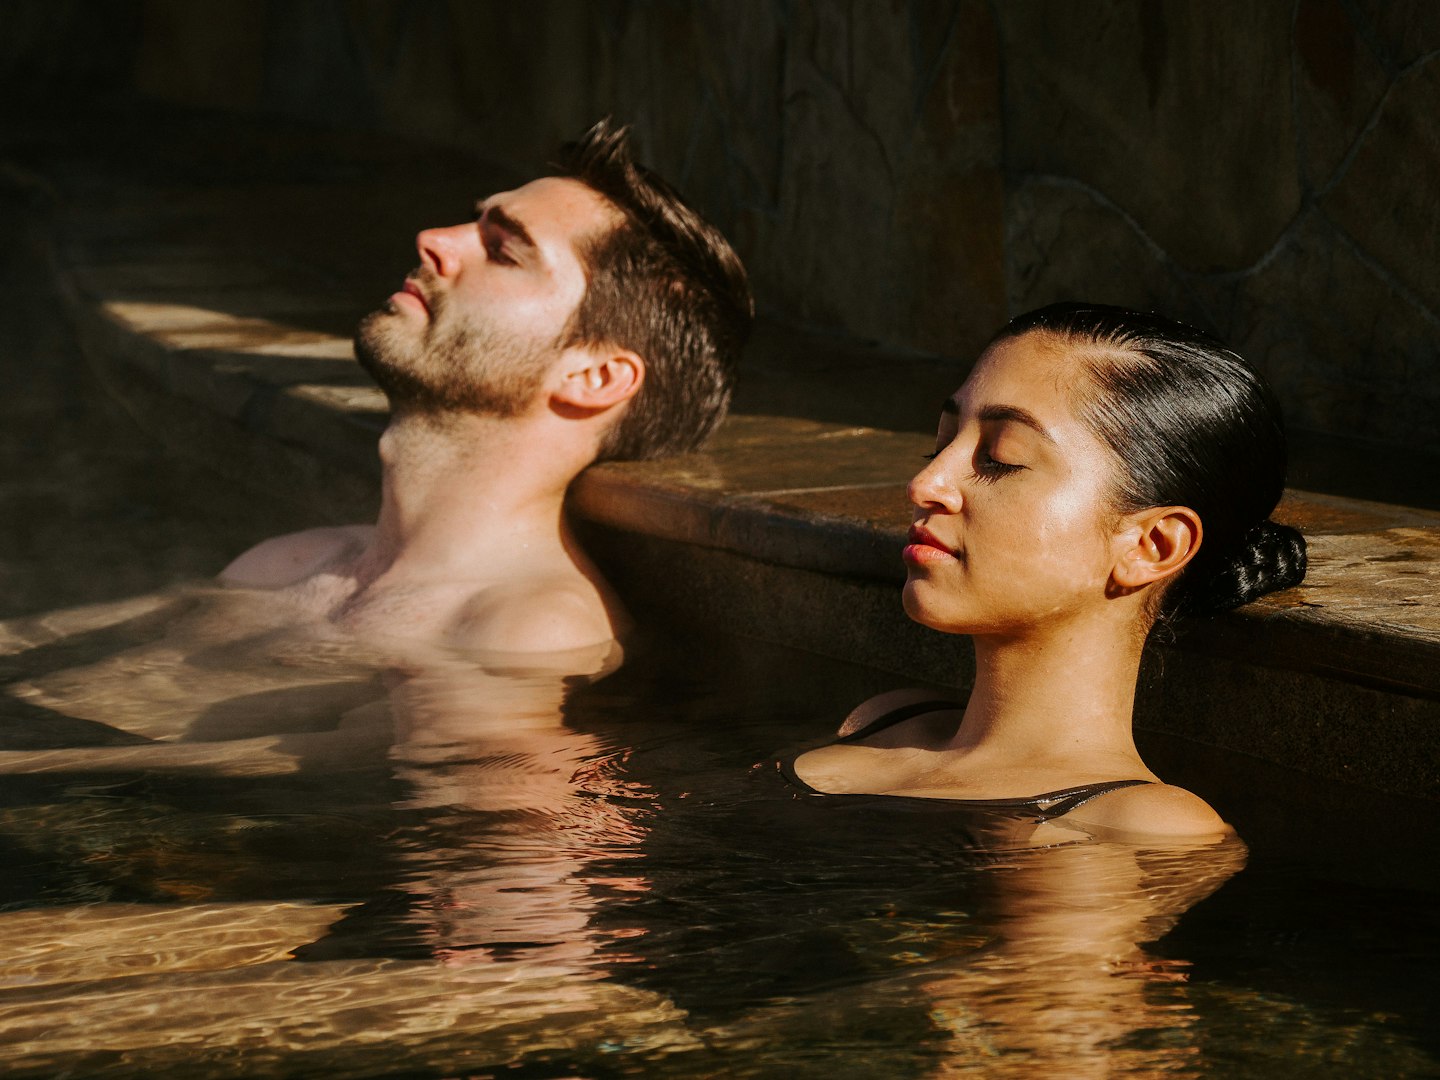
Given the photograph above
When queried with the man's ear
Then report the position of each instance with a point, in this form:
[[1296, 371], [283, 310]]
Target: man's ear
[[1154, 544], [596, 379]]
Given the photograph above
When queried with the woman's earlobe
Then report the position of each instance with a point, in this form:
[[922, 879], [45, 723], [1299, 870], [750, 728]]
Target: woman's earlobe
[[1159, 542]]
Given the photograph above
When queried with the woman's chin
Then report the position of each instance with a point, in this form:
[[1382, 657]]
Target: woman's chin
[[914, 601]]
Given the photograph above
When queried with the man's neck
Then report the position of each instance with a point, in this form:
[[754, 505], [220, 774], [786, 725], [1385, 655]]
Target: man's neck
[[462, 494]]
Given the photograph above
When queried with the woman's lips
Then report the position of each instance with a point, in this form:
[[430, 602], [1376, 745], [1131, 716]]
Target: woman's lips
[[924, 547]]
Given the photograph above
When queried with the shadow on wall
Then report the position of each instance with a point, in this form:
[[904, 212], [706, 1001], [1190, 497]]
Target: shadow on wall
[[913, 173]]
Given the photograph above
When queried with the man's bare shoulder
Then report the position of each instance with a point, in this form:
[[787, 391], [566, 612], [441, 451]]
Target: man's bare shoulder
[[535, 617], [285, 560]]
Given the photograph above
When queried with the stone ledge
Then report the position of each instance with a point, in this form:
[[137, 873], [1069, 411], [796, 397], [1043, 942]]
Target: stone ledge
[[1367, 612], [1315, 721], [245, 333]]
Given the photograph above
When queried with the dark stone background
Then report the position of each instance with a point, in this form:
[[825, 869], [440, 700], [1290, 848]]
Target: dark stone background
[[911, 171]]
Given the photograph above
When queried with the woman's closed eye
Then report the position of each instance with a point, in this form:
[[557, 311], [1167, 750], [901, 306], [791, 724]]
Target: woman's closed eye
[[989, 469]]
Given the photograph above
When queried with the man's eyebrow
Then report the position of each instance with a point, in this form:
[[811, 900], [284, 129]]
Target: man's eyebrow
[[497, 217], [995, 413]]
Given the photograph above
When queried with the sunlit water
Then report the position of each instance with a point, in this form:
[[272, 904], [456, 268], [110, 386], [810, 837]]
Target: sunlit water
[[233, 852], [631, 889]]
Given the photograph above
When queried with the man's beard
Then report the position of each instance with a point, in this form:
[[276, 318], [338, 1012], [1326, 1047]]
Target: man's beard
[[454, 366]]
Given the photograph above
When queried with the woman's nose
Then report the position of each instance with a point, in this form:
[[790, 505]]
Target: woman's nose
[[440, 249], [931, 489]]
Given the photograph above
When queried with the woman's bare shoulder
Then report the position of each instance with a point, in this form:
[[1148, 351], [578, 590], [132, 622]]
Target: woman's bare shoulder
[[1151, 810], [881, 705]]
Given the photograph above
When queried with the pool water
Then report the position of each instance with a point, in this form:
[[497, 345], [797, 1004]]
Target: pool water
[[276, 858], [633, 890]]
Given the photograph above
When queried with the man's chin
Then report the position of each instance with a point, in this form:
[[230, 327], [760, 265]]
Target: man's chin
[[384, 315], [381, 339], [380, 352]]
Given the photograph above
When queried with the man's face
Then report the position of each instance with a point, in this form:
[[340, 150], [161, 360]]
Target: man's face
[[477, 326]]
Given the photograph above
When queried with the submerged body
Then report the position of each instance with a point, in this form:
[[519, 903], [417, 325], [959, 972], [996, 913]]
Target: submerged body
[[523, 595], [1105, 791]]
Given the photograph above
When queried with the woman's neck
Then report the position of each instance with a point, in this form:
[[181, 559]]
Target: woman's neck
[[1054, 693]]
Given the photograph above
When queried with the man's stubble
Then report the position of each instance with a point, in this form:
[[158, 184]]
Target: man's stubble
[[454, 364]]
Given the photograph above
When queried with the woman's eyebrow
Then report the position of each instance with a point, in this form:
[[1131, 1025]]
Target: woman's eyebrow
[[1020, 416]]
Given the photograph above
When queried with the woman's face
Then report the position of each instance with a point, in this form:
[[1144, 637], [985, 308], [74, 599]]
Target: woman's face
[[1013, 528]]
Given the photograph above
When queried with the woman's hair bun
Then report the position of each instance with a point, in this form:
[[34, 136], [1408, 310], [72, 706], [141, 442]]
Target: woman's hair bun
[[1270, 558]]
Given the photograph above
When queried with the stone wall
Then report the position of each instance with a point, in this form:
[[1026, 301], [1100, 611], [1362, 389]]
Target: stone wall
[[913, 171], [1259, 169]]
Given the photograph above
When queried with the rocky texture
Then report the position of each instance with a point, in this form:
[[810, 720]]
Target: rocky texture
[[910, 172], [913, 172], [1153, 106]]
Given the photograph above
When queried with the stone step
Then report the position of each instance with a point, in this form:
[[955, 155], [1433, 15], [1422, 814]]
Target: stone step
[[220, 309]]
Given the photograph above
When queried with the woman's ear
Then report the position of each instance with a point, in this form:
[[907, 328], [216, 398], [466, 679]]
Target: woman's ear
[[596, 379], [1154, 544]]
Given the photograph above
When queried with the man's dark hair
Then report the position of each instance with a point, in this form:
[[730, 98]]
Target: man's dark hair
[[665, 284]]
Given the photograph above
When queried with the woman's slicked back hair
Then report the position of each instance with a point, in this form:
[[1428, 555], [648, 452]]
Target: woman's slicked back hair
[[1191, 424]]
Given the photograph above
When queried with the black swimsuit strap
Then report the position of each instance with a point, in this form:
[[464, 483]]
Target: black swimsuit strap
[[1073, 798], [1052, 804], [896, 716]]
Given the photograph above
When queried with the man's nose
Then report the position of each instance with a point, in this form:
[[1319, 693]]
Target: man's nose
[[440, 249]]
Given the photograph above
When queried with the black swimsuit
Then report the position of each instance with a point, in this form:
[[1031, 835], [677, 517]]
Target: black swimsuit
[[1052, 804]]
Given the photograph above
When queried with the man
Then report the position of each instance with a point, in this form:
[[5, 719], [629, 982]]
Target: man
[[585, 316], [590, 315]]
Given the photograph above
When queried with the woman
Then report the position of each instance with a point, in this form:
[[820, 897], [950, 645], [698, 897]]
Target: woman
[[1101, 470]]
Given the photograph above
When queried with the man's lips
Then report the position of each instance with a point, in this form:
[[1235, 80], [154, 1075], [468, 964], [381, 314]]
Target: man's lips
[[924, 547], [412, 290]]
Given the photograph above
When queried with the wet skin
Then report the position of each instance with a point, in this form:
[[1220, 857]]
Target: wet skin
[[471, 553], [472, 549], [1015, 542]]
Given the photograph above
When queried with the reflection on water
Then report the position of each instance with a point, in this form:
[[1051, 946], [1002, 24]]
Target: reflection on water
[[430, 869]]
